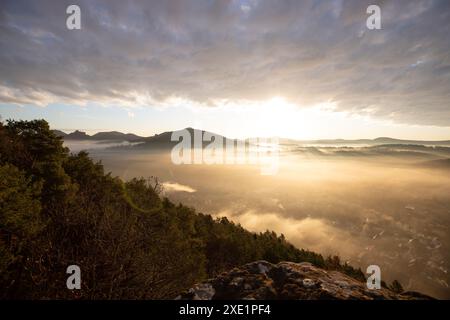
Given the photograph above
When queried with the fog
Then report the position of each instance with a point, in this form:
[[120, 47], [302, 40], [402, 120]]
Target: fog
[[370, 205]]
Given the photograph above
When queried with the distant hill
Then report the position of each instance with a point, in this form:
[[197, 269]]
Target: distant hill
[[115, 135], [377, 141], [77, 135], [59, 133], [385, 140], [164, 139], [100, 136]]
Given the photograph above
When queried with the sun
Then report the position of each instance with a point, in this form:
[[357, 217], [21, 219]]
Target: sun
[[278, 117]]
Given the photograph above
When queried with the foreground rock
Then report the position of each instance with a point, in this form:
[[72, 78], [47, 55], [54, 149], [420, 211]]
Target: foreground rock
[[262, 280]]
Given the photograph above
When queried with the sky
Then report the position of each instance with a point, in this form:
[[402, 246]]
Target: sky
[[295, 69]]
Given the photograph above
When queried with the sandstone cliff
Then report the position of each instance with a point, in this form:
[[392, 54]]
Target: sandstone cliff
[[288, 280]]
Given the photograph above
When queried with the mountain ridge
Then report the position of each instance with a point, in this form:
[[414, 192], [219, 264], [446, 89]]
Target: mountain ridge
[[165, 137], [99, 136]]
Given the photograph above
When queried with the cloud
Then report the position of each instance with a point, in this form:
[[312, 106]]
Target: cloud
[[203, 52], [311, 233], [176, 187]]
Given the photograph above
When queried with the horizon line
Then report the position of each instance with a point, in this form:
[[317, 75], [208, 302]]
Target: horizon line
[[279, 137]]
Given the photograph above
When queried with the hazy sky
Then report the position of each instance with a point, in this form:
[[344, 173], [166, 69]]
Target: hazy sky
[[302, 69]]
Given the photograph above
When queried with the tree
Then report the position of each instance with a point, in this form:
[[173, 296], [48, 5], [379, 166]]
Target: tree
[[20, 223], [32, 147]]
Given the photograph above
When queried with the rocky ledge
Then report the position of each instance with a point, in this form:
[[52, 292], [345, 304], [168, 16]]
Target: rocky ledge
[[262, 280]]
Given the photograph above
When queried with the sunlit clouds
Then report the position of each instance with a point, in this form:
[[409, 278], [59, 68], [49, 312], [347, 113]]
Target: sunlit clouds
[[284, 60]]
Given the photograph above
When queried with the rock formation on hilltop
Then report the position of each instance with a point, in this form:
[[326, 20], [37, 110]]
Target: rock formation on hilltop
[[262, 280]]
